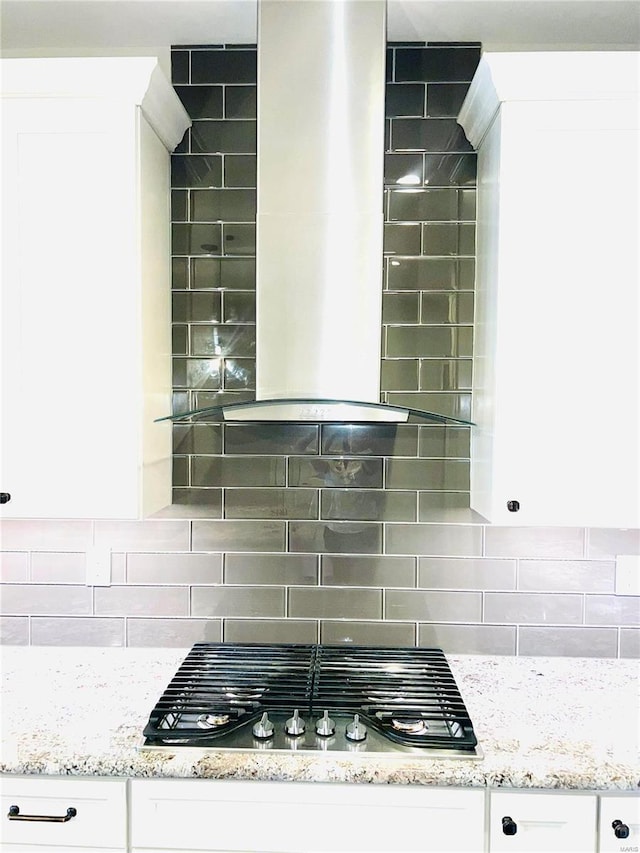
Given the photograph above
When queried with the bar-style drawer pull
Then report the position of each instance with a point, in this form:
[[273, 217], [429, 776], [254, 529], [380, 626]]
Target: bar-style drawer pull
[[14, 814]]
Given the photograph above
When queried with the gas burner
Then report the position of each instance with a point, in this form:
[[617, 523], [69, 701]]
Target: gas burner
[[212, 721], [411, 727]]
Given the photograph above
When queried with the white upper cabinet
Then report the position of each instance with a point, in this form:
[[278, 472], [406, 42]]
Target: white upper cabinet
[[86, 347], [556, 365]]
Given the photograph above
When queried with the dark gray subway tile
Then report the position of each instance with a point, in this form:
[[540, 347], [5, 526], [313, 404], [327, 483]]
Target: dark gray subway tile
[[224, 66], [239, 307], [236, 205], [450, 170], [179, 273], [444, 100], [445, 374], [270, 631], [427, 134], [225, 602], [468, 639], [568, 642], [427, 474], [425, 341], [172, 633], [239, 239], [335, 537], [240, 102], [77, 631], [404, 169], [449, 238], [368, 505], [630, 643], [223, 340], [14, 566], [186, 568], [201, 101], [46, 535], [14, 631], [205, 399], [268, 439], [30, 599], [399, 374], [184, 146], [402, 239], [612, 610], [439, 64], [369, 439], [180, 340], [141, 601], [196, 170], [142, 535], [199, 239], [605, 543], [324, 603], [435, 205], [179, 206], [404, 99], [434, 539], [179, 66], [223, 137], [560, 542], [433, 505], [201, 503], [226, 273], [419, 605], [194, 306], [533, 608], [240, 170], [237, 471], [446, 307], [341, 472], [566, 575], [455, 405], [197, 438], [430, 273], [400, 307], [470, 573], [47, 567], [258, 569], [440, 441], [239, 374], [363, 633], [242, 535], [340, 570], [271, 503]]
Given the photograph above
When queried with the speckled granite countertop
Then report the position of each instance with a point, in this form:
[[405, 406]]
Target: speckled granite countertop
[[542, 723]]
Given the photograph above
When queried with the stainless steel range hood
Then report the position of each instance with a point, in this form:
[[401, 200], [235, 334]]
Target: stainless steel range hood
[[321, 89]]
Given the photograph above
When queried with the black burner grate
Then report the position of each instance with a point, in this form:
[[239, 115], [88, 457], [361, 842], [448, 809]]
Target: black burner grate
[[409, 695]]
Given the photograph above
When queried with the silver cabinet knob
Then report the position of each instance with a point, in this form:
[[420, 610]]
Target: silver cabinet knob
[[356, 730], [325, 726], [295, 725], [263, 728]]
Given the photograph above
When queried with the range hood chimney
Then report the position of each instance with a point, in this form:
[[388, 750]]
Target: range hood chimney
[[321, 90]]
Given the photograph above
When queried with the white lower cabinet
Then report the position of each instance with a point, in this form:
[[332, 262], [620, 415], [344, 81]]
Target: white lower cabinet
[[552, 822], [282, 817], [619, 824], [63, 815]]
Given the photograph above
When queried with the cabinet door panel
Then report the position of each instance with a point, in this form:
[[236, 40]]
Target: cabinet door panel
[[553, 823], [282, 817], [625, 809]]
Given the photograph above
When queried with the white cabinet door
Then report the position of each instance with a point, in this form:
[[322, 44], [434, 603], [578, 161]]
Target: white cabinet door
[[542, 823], [556, 349], [282, 817], [96, 810], [619, 824], [85, 293]]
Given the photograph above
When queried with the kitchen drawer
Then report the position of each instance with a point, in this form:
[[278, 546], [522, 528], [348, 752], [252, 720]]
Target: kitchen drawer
[[626, 809], [100, 822], [552, 822], [212, 815]]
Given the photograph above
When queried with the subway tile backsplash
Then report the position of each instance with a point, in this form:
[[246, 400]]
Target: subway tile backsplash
[[304, 532]]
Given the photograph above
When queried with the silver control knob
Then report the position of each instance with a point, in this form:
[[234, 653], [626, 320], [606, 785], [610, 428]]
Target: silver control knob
[[356, 730], [325, 726], [263, 729], [295, 725]]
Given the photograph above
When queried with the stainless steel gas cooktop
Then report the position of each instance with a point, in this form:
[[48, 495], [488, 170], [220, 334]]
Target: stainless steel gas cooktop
[[313, 698]]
